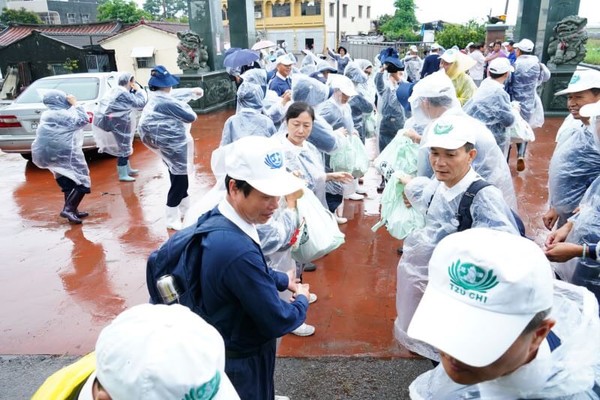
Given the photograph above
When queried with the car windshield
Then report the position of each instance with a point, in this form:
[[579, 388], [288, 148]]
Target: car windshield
[[85, 88]]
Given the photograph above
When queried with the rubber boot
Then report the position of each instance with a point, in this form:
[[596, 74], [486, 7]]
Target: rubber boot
[[80, 214], [172, 218], [184, 206], [70, 209], [131, 171], [123, 175]]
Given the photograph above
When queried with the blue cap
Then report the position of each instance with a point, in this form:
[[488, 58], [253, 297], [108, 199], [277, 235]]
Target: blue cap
[[160, 77], [395, 61]]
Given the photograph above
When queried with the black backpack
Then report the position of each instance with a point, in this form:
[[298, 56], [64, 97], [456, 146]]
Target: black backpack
[[463, 215], [180, 256]]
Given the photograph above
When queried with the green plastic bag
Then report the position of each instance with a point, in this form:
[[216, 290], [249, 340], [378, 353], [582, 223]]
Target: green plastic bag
[[397, 218], [399, 155], [351, 157]]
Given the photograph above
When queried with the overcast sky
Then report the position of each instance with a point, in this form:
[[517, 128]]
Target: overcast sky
[[461, 11]]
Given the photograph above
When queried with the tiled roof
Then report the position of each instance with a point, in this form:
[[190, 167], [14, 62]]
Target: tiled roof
[[17, 32], [170, 27]]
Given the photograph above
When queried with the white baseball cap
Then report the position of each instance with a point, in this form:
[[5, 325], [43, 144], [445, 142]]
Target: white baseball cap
[[582, 80], [437, 84], [157, 352], [450, 55], [260, 162], [452, 132], [413, 48], [525, 45], [500, 66], [343, 84], [284, 59], [485, 286], [590, 110], [435, 46]]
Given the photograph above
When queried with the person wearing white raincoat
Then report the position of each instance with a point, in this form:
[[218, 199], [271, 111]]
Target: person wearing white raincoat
[[58, 147], [434, 97], [575, 162], [452, 149], [529, 74], [313, 92], [165, 128], [505, 329], [359, 104], [115, 122], [491, 104], [248, 119]]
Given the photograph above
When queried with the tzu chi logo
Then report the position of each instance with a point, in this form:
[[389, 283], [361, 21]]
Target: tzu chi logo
[[574, 79], [470, 280], [274, 160], [442, 129]]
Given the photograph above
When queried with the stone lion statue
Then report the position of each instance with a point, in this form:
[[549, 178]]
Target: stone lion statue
[[567, 45], [192, 53]]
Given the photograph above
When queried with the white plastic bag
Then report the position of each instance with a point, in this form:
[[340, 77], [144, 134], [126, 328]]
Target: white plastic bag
[[520, 130], [319, 231]]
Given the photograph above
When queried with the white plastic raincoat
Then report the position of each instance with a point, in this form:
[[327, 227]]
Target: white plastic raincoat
[[115, 118], [440, 204], [390, 109], [165, 128], [527, 76], [491, 105], [59, 139], [248, 120]]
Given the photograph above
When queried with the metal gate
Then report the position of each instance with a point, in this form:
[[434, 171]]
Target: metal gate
[[97, 62]]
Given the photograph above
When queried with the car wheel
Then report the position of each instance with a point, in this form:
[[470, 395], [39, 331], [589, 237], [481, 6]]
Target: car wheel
[[26, 156]]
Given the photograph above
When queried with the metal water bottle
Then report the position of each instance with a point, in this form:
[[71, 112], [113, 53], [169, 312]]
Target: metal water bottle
[[167, 288]]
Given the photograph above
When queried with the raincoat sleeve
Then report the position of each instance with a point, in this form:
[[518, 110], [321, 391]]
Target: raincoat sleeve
[[420, 191], [276, 234], [379, 83], [273, 108], [186, 94], [465, 87], [489, 210], [323, 136]]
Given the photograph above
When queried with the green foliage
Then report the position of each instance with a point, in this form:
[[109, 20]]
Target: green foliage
[[402, 25], [71, 65], [593, 52], [167, 10], [21, 16], [127, 12], [461, 35]]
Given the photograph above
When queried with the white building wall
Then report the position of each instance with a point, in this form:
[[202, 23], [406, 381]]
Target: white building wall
[[165, 51], [36, 6], [353, 23], [296, 38]]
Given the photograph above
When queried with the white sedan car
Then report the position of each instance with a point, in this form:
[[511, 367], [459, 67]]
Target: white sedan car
[[19, 120]]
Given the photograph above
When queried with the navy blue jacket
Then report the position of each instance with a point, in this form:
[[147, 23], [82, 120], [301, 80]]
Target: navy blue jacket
[[279, 85], [431, 63], [240, 293]]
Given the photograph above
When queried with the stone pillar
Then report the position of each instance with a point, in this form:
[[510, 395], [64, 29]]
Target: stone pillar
[[206, 20], [536, 20], [495, 32], [242, 31]]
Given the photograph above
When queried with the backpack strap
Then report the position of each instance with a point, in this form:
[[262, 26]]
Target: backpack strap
[[553, 340], [463, 214]]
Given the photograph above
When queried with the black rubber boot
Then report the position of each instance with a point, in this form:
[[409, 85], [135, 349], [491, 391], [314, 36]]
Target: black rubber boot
[[80, 214], [70, 209], [381, 186]]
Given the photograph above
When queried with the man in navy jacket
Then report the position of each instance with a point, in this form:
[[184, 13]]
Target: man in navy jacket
[[239, 292], [282, 82]]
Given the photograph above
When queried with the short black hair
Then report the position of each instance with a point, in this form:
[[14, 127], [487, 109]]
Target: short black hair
[[342, 48], [297, 108], [442, 101], [511, 42], [239, 184], [469, 146], [496, 76], [536, 321], [595, 91]]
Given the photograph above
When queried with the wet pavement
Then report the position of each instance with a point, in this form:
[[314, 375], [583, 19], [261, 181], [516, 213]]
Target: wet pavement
[[62, 283]]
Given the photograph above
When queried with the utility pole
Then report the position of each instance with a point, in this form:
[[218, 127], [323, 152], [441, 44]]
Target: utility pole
[[337, 25]]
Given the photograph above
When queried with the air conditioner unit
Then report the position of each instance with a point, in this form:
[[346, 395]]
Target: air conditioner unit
[[258, 15]]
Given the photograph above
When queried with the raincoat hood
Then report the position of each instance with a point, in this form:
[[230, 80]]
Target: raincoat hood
[[55, 100], [355, 73], [250, 95], [309, 90]]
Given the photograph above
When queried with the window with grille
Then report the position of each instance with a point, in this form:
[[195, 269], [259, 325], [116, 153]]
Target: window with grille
[[145, 62]]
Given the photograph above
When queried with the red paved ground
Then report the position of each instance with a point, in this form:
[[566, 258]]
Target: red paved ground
[[61, 284]]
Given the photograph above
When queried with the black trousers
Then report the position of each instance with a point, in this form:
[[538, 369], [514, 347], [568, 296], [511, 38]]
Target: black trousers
[[66, 185], [178, 190], [253, 376]]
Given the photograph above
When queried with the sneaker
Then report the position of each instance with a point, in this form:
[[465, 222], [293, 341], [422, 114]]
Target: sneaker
[[340, 220], [281, 397], [312, 298], [381, 187], [304, 330], [521, 164], [355, 196], [361, 190]]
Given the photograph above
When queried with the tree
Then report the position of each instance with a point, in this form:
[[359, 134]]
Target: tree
[[402, 25], [166, 9], [127, 12], [21, 16], [461, 35]]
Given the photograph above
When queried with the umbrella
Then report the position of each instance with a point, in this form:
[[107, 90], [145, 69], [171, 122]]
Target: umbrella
[[231, 50], [263, 44], [240, 58]]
